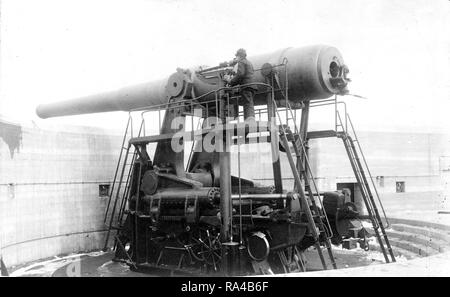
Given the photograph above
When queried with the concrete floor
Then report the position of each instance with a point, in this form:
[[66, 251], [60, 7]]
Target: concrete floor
[[350, 263], [99, 264]]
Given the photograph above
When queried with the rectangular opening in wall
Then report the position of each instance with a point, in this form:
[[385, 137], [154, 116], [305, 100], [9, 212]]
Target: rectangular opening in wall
[[400, 187], [11, 191], [103, 190]]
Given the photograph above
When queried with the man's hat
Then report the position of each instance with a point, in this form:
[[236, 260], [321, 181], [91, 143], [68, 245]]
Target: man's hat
[[241, 53]]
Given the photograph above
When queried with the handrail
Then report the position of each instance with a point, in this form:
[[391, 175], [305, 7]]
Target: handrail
[[125, 195], [369, 173], [358, 175], [117, 170]]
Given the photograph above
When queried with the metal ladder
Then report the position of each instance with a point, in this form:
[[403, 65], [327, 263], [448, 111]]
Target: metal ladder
[[313, 191], [314, 214], [353, 152], [303, 170], [116, 195]]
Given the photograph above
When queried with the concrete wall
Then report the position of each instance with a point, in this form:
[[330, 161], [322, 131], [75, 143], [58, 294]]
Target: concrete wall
[[410, 157], [417, 159], [49, 189]]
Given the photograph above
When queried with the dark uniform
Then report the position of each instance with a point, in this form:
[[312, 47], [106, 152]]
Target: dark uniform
[[244, 75]]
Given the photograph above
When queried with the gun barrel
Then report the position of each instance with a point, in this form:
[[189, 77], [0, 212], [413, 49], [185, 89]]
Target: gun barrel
[[313, 72], [125, 99]]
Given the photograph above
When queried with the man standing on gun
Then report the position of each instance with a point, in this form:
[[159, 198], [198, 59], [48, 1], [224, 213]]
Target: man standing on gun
[[243, 76]]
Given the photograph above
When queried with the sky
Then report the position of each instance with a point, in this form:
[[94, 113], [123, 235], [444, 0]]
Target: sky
[[397, 51]]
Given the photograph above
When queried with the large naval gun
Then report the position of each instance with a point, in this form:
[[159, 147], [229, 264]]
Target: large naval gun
[[200, 218]]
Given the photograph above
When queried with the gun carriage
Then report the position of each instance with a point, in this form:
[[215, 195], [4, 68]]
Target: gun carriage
[[194, 216]]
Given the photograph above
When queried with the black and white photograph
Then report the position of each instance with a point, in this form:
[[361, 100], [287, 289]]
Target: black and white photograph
[[227, 144]]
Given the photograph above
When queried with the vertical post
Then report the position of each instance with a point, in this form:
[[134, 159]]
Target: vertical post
[[304, 121], [225, 190], [274, 143], [335, 114], [136, 217], [303, 134]]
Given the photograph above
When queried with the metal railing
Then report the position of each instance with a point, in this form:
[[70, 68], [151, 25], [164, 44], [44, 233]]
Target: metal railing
[[346, 124]]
